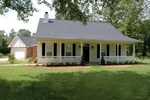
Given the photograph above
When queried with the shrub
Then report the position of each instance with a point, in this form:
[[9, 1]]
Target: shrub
[[130, 62], [126, 62], [83, 63], [121, 63], [45, 64], [1, 55], [53, 64], [67, 64], [61, 64], [74, 64], [102, 61], [109, 63], [32, 60], [115, 63], [11, 58]]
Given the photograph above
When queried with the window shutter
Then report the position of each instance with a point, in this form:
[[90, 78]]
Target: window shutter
[[43, 49], [116, 50], [55, 49], [74, 49], [107, 49], [63, 49], [98, 50], [119, 50]]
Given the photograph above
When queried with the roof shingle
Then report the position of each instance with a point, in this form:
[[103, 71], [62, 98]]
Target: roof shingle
[[65, 29]]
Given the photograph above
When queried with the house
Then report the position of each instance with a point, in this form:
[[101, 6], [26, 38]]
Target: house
[[23, 47], [67, 41]]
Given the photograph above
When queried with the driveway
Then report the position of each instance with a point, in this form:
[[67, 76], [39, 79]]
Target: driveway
[[3, 59]]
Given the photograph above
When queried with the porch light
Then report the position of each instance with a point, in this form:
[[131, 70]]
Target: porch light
[[92, 47]]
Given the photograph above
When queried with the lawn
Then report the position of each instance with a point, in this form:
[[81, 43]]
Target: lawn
[[94, 83]]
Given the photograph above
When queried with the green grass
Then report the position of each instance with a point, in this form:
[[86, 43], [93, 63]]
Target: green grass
[[95, 83], [16, 62]]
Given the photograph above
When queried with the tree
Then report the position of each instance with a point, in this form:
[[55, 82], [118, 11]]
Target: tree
[[24, 32], [74, 9], [3, 43], [12, 34]]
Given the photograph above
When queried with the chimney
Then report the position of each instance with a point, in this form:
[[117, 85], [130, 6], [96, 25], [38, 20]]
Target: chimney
[[46, 17]]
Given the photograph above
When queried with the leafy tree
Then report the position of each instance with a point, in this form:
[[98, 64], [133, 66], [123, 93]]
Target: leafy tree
[[12, 34], [72, 9], [24, 32], [3, 43]]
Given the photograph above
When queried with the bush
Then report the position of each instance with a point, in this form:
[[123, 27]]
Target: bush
[[121, 63], [83, 63], [11, 58], [109, 63], [67, 64], [126, 62], [74, 64], [102, 61], [32, 59], [61, 64], [1, 55], [130, 62], [53, 64], [45, 64]]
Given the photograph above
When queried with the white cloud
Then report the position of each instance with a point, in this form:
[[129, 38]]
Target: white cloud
[[9, 20]]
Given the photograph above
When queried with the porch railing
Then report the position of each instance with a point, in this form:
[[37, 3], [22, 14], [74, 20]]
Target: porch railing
[[120, 58]]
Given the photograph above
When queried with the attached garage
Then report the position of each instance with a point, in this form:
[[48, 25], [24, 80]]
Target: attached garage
[[23, 47]]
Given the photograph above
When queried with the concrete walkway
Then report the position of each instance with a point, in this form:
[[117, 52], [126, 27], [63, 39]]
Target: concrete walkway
[[3, 59]]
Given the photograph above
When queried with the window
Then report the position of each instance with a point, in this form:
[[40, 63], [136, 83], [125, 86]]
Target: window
[[98, 50], [49, 49], [68, 49]]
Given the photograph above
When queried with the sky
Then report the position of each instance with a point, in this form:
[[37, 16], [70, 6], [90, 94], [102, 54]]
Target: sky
[[9, 20]]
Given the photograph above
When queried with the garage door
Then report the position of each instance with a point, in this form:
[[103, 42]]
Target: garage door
[[19, 53]]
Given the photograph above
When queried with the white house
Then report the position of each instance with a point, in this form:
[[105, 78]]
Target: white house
[[67, 41]]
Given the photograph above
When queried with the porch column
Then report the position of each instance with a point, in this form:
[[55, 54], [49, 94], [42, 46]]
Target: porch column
[[81, 49], [125, 50], [60, 53], [133, 53], [100, 51], [118, 53]]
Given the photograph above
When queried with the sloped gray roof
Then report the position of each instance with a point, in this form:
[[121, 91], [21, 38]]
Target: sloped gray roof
[[28, 41], [65, 29]]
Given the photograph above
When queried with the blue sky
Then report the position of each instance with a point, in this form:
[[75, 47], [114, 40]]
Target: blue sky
[[9, 20]]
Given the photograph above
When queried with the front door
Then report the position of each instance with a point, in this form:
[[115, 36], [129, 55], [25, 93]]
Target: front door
[[86, 52]]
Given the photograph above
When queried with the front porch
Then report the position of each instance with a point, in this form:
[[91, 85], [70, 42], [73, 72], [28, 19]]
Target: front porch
[[72, 51]]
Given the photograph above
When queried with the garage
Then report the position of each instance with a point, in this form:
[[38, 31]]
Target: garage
[[22, 47], [19, 53]]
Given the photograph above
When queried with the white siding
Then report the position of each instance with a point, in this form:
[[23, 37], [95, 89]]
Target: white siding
[[18, 43], [93, 53]]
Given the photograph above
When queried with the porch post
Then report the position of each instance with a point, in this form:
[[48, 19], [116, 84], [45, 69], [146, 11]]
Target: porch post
[[118, 53], [133, 53], [125, 50], [60, 52], [100, 51], [81, 49]]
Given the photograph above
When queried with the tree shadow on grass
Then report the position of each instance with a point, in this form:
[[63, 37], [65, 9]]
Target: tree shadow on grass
[[103, 85]]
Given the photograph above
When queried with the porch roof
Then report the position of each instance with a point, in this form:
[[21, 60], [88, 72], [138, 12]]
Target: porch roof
[[66, 29]]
